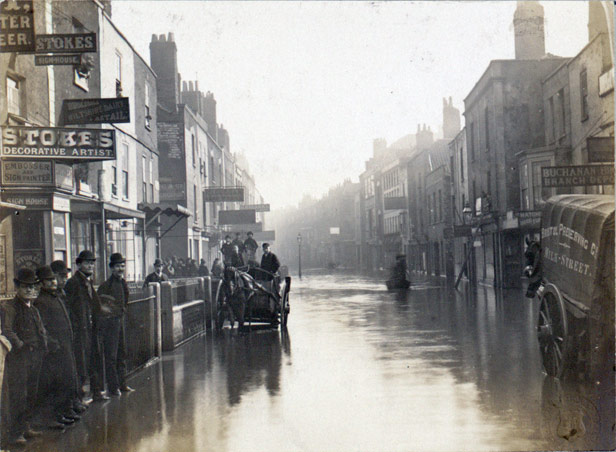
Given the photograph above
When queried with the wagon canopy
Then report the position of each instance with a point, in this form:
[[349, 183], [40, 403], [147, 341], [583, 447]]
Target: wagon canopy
[[577, 241]]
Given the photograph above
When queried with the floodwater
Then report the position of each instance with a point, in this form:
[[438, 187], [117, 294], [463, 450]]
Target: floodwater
[[359, 369]]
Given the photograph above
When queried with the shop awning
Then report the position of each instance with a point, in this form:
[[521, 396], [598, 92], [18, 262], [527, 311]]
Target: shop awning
[[112, 212], [7, 209], [154, 210]]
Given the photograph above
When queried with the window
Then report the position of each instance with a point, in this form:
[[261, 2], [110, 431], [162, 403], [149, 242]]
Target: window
[[118, 72], [552, 119], [125, 170], [561, 105], [461, 152], [471, 146], [12, 96], [194, 150], [196, 217], [440, 206], [144, 185], [540, 194], [584, 94], [212, 172], [148, 117], [114, 178], [487, 127]]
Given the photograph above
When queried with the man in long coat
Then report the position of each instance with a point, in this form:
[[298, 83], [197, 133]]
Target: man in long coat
[[58, 378], [82, 302], [22, 325], [113, 294]]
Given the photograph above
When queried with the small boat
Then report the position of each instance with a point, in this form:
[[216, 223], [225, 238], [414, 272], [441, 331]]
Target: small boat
[[394, 284]]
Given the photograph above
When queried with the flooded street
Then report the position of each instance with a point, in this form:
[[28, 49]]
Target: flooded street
[[359, 369]]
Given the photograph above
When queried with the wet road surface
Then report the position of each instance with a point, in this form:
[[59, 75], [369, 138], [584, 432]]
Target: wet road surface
[[359, 369]]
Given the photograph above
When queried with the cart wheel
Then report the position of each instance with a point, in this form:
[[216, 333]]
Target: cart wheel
[[284, 309], [552, 335]]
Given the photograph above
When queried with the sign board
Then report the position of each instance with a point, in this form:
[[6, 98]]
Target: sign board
[[28, 173], [244, 228], [334, 231], [170, 140], [58, 143], [600, 149], [66, 43], [172, 191], [529, 219], [17, 26], [257, 207], [32, 201], [265, 236], [235, 194], [395, 203], [95, 111], [236, 217], [461, 230], [577, 176], [57, 60]]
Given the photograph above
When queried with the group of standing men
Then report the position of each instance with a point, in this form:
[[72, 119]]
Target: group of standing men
[[63, 334], [233, 252]]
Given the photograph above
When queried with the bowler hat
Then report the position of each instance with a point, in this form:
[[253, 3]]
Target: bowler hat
[[116, 258], [158, 262], [25, 276], [45, 272], [85, 255], [59, 267]]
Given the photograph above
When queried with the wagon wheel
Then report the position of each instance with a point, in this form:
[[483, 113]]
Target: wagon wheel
[[284, 309], [552, 335]]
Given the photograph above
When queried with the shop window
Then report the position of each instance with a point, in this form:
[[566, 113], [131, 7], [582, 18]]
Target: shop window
[[114, 178], [29, 244], [118, 72]]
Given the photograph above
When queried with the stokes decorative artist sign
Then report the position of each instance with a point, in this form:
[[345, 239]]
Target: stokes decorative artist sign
[[58, 143]]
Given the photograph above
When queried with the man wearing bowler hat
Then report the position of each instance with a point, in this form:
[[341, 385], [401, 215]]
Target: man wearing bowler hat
[[114, 298], [23, 326], [62, 271], [83, 303], [157, 276], [58, 377]]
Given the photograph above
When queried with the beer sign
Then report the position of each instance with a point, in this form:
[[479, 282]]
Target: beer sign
[[57, 143], [17, 26]]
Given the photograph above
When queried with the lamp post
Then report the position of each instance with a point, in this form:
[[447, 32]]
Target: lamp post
[[299, 246]]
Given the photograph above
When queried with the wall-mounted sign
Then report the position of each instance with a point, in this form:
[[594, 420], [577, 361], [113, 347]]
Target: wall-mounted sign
[[28, 173], [217, 194], [257, 207], [600, 149], [57, 60], [264, 236], [174, 191], [32, 201], [395, 203], [244, 228], [95, 111], [334, 231], [236, 217], [66, 43], [58, 143], [17, 26], [529, 219], [577, 176]]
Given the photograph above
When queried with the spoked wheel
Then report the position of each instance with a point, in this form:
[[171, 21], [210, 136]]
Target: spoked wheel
[[552, 335], [284, 309]]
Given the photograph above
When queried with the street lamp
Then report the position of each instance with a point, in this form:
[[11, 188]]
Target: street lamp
[[299, 246]]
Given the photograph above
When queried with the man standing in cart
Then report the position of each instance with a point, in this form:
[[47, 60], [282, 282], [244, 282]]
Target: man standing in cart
[[251, 247]]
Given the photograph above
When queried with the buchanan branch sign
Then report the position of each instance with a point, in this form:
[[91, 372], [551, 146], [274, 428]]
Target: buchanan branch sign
[[58, 143], [577, 176], [96, 111]]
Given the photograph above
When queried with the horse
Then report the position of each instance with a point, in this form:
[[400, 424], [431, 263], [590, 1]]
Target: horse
[[532, 268]]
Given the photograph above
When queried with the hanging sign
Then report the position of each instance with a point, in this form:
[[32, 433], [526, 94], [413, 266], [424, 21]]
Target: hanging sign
[[95, 111], [57, 60], [257, 207], [66, 43], [17, 26], [58, 143], [235, 194], [236, 217]]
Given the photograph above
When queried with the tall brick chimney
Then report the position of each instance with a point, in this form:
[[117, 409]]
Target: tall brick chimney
[[528, 21], [164, 60], [209, 114], [451, 119]]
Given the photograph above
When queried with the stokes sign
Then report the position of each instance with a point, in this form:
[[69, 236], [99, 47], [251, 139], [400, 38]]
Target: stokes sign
[[58, 143]]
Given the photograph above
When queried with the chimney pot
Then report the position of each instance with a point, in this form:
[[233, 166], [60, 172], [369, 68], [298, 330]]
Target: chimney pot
[[162, 38], [170, 37], [184, 86], [191, 86], [154, 38], [196, 85]]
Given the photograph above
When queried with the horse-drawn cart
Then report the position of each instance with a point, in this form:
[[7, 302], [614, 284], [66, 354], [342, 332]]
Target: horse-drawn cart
[[252, 296], [576, 315]]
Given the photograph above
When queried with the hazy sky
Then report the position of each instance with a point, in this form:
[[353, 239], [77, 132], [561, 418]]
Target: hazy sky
[[304, 87]]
